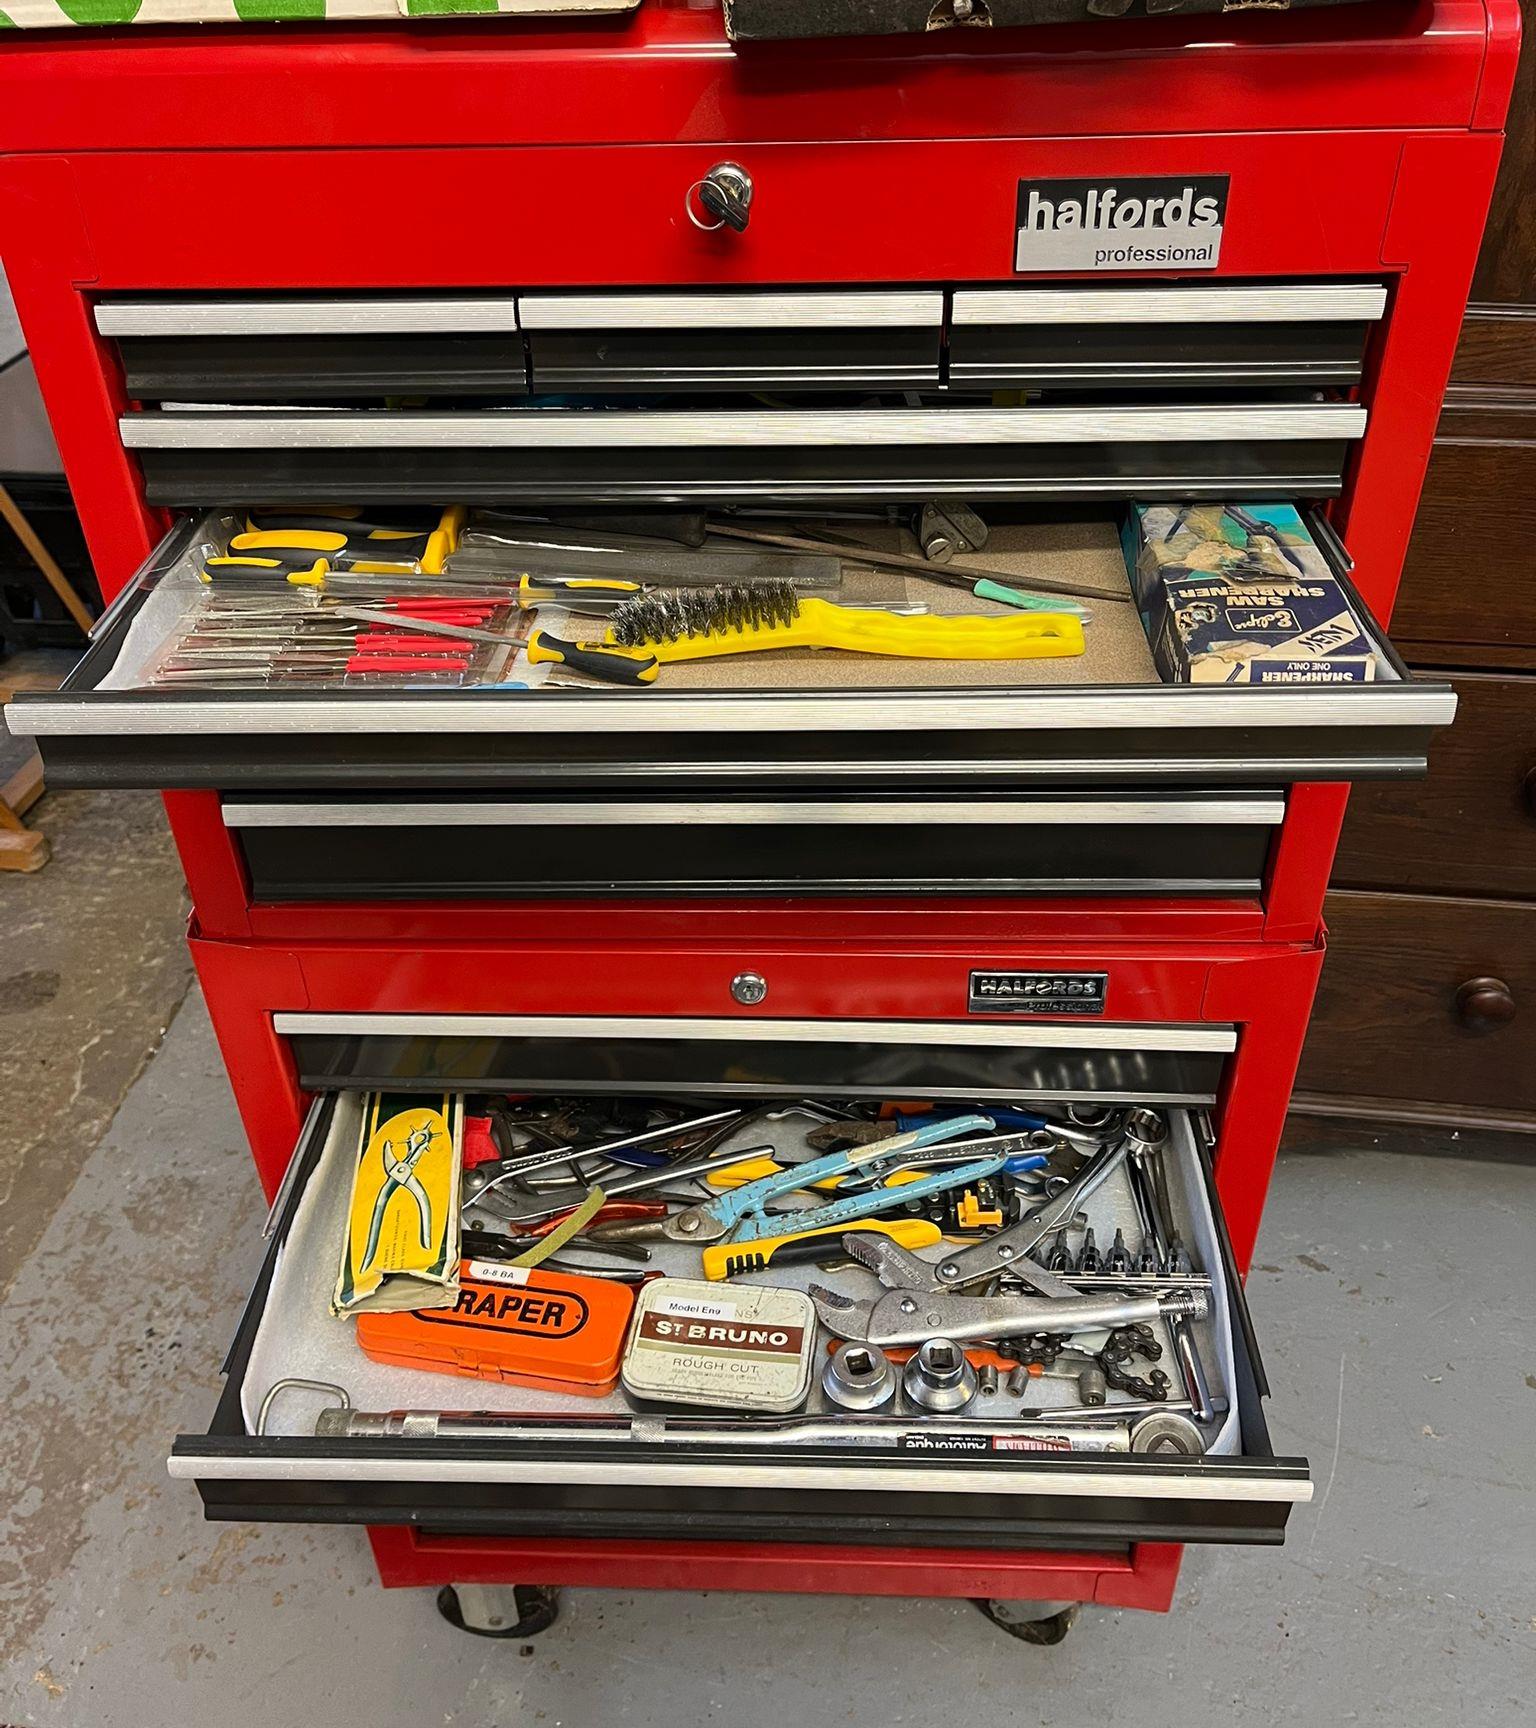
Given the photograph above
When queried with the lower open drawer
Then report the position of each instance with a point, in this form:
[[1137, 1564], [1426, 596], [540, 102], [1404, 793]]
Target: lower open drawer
[[600, 1468]]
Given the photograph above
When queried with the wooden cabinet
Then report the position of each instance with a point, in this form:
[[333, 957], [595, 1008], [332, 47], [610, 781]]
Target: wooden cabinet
[[1471, 827], [1470, 575], [1427, 1008]]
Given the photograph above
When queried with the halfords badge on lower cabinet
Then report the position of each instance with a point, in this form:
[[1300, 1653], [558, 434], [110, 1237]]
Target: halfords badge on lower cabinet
[[1139, 223], [1038, 992]]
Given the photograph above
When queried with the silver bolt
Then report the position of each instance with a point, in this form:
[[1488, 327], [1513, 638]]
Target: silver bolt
[[949, 1269]]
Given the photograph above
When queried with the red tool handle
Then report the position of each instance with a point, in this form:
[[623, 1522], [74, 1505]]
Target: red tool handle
[[610, 1212], [434, 607], [403, 642], [406, 663]]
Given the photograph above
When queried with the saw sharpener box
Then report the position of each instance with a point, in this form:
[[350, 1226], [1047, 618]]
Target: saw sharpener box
[[1241, 594]]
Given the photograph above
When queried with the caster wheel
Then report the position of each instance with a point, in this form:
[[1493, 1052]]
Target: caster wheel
[[499, 1610], [1022, 1621]]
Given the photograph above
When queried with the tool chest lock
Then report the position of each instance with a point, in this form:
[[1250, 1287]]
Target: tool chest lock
[[945, 847]]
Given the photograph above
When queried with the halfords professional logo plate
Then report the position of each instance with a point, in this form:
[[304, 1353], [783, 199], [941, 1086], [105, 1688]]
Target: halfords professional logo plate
[[1137, 223], [1038, 992]]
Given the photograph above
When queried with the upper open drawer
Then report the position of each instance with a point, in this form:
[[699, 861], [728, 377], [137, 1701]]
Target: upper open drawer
[[812, 721]]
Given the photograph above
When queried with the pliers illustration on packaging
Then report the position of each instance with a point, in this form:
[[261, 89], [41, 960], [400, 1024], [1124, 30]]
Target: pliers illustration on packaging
[[400, 1172]]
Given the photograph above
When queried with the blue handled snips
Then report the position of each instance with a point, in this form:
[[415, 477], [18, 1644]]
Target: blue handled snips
[[742, 1215]]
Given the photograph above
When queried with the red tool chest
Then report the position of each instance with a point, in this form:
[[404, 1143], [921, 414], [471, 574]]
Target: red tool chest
[[521, 221]]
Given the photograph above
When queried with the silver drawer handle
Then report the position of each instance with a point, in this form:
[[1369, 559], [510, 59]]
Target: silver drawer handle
[[1303, 304], [918, 1034], [845, 311], [448, 813], [548, 428], [446, 314]]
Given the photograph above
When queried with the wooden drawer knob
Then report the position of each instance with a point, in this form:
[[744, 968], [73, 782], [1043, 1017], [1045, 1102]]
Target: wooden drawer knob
[[1482, 1003], [1528, 791]]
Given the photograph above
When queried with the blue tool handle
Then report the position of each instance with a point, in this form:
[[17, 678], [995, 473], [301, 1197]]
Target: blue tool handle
[[1003, 1117], [1024, 1162], [864, 1204], [727, 1208]]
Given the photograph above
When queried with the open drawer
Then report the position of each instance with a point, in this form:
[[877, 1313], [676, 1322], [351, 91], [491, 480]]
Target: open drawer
[[778, 731], [603, 1468]]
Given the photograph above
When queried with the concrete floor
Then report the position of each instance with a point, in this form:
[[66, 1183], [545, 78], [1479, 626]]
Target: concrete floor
[[92, 966], [1394, 1297]]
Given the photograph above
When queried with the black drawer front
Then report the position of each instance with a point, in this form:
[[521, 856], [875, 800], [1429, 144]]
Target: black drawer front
[[1083, 356], [600, 360], [321, 368], [434, 761], [690, 1512], [350, 857], [858, 339], [840, 1059], [1190, 334], [1282, 468]]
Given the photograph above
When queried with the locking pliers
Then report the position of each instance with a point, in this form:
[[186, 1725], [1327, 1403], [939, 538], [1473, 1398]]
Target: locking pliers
[[916, 1306]]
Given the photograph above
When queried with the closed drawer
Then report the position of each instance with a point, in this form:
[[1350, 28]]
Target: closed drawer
[[920, 729], [1425, 1007], [1497, 347], [1470, 575], [1225, 334], [359, 848], [1470, 828], [1111, 1062], [542, 1461], [558, 456], [307, 348], [869, 339]]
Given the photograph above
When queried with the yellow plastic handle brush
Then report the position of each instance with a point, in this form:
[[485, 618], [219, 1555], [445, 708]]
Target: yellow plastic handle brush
[[698, 624]]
